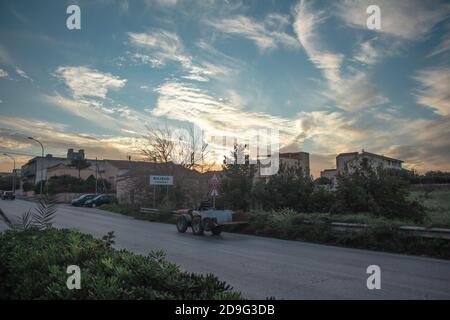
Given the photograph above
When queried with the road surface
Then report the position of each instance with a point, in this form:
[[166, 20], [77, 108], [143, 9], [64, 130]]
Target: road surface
[[265, 267]]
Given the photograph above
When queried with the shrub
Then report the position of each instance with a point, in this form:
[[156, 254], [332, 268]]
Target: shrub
[[380, 192], [33, 266]]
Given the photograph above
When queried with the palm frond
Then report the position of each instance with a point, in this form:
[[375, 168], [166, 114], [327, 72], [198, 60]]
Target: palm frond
[[27, 220], [6, 220], [44, 213]]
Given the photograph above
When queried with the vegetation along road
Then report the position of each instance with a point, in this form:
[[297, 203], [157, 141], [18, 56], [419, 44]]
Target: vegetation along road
[[265, 267]]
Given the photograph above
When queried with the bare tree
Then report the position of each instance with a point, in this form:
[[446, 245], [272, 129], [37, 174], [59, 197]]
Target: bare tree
[[158, 146], [183, 147]]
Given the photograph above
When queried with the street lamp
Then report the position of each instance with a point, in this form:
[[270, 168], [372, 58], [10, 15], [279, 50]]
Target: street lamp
[[14, 171], [42, 166]]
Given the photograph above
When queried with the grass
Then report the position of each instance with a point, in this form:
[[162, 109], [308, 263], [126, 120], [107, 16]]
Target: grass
[[437, 206], [164, 216]]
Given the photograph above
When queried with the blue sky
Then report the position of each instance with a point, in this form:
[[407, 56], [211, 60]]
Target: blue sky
[[310, 69]]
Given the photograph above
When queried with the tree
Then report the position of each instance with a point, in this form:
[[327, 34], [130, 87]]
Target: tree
[[290, 188], [181, 146], [79, 163], [382, 192], [237, 181]]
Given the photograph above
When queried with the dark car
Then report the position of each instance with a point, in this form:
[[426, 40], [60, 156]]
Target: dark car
[[8, 195], [99, 200], [78, 202]]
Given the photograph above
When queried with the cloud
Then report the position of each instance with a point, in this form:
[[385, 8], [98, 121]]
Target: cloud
[[115, 117], [352, 90], [305, 24], [268, 34], [56, 138], [434, 89], [23, 74], [3, 73], [84, 81], [404, 19], [427, 148], [444, 44], [161, 46]]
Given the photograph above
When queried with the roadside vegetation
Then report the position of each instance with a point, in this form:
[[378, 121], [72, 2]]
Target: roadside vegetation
[[34, 258], [291, 205]]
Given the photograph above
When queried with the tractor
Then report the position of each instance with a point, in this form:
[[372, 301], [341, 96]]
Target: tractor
[[205, 218]]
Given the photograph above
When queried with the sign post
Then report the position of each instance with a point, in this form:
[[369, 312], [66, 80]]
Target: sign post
[[214, 182], [160, 181]]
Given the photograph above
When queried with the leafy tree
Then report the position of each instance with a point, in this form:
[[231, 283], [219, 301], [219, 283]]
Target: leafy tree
[[237, 180], [376, 190], [290, 188]]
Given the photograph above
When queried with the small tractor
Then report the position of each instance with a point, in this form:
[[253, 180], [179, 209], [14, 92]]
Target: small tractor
[[205, 218]]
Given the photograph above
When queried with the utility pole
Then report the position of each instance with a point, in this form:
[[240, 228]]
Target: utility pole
[[42, 166], [14, 171], [96, 171]]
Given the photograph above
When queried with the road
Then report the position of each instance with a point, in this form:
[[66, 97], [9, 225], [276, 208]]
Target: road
[[264, 267]]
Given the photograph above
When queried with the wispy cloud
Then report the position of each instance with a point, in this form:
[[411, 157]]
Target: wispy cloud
[[434, 90], [160, 46], [23, 74], [85, 82], [405, 19], [57, 137], [267, 34], [444, 45], [351, 91], [3, 73]]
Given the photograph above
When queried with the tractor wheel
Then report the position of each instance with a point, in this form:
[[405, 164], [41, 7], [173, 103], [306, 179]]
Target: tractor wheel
[[216, 230], [197, 226], [182, 224]]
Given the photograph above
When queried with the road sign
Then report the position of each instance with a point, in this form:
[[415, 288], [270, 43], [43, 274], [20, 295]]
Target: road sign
[[214, 180], [214, 183], [214, 192], [161, 180]]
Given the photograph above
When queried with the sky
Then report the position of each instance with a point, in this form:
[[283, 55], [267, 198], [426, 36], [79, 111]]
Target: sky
[[311, 70]]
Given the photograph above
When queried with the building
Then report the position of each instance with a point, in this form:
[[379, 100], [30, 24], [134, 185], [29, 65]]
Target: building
[[133, 183], [289, 159], [329, 174], [42, 168], [35, 170], [62, 169], [350, 161]]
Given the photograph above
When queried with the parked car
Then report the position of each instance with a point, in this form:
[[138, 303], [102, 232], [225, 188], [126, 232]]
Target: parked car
[[99, 200], [1, 193], [8, 195], [80, 201]]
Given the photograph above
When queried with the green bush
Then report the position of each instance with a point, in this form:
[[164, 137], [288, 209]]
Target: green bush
[[382, 192], [33, 266], [316, 227]]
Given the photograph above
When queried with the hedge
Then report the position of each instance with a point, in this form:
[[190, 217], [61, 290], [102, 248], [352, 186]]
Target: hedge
[[33, 265]]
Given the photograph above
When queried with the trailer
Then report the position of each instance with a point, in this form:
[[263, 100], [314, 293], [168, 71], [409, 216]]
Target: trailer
[[206, 218]]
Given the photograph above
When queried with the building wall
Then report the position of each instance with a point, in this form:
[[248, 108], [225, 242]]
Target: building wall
[[329, 174], [375, 162], [64, 170], [342, 160]]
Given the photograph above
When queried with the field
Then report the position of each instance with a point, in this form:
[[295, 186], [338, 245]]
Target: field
[[437, 205]]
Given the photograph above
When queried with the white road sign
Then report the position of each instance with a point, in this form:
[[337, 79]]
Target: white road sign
[[214, 192], [161, 180]]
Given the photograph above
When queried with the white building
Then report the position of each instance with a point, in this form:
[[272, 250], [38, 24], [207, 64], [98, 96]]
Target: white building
[[348, 162]]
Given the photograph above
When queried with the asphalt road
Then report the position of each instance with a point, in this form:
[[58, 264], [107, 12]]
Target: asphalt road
[[264, 267]]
